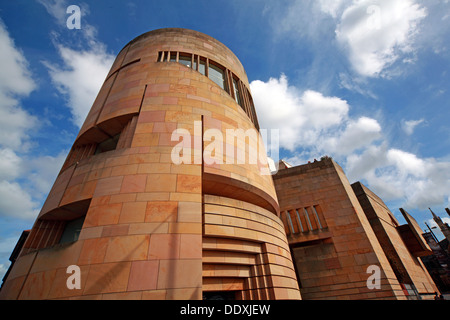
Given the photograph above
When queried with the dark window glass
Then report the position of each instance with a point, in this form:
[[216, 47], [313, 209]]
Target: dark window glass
[[108, 145], [72, 230]]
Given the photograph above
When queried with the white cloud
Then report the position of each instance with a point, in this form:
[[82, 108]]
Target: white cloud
[[10, 164], [21, 198], [398, 175], [373, 34], [377, 33], [80, 78], [16, 202], [311, 120], [358, 134], [409, 126], [332, 7], [312, 125], [84, 68], [57, 9], [15, 125], [15, 82], [23, 178], [42, 172], [300, 116]]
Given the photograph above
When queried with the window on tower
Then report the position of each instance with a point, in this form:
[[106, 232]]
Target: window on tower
[[217, 75], [237, 96], [185, 59], [202, 66]]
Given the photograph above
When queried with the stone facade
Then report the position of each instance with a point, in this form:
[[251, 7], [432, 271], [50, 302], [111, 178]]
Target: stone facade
[[334, 241], [156, 201], [149, 228]]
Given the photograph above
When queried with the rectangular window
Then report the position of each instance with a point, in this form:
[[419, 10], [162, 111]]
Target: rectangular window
[[237, 96], [202, 67], [307, 219], [173, 57], [299, 221], [194, 65], [72, 230], [185, 59], [217, 75], [107, 145], [317, 217], [291, 226]]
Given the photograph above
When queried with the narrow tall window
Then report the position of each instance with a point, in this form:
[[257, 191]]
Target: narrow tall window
[[217, 75], [202, 67], [317, 217], [307, 219], [237, 96], [299, 220], [291, 226], [195, 63]]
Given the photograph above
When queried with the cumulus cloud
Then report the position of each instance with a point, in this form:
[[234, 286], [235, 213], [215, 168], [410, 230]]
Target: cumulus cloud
[[398, 175], [16, 202], [15, 82], [84, 66], [80, 77], [300, 116], [373, 35], [357, 134], [16, 123], [312, 125], [308, 119], [377, 34]]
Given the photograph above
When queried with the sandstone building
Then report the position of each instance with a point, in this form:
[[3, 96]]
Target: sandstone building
[[337, 231], [141, 225]]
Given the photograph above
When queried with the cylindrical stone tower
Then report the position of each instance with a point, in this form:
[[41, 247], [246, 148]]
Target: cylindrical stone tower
[[159, 197]]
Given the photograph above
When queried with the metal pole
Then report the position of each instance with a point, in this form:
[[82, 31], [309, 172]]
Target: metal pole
[[432, 233]]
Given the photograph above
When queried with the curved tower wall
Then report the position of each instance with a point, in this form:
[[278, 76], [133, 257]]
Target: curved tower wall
[[137, 224]]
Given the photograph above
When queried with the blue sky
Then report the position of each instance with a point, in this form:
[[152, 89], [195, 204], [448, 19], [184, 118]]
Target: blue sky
[[366, 82]]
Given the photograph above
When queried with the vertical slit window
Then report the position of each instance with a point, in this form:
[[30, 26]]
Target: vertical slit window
[[322, 220], [299, 221], [237, 96], [202, 67], [307, 219], [291, 226], [160, 56], [317, 217], [173, 57]]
